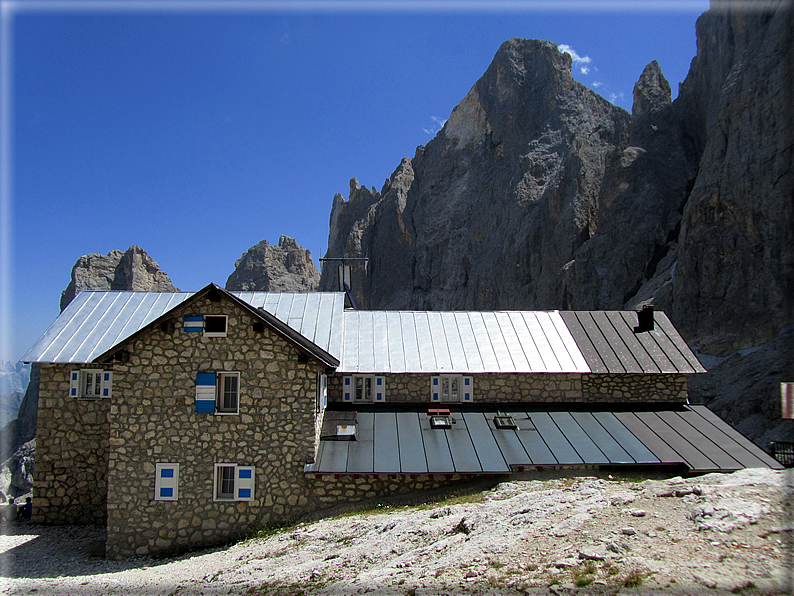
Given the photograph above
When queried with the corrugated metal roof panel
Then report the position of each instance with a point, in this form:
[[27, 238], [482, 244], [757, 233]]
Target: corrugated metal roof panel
[[458, 342], [403, 441], [94, 322]]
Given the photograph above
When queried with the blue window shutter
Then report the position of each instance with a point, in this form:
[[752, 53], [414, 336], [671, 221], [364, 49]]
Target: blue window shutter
[[435, 394], [244, 483], [107, 383], [468, 387], [380, 389], [166, 482], [194, 324], [348, 392], [74, 384], [205, 393]]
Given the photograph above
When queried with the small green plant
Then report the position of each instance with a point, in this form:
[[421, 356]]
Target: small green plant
[[584, 575], [633, 579]]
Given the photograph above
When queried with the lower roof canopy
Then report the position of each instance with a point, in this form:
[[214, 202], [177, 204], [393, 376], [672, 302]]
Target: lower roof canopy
[[502, 438]]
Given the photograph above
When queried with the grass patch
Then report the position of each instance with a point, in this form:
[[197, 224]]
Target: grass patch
[[745, 588], [633, 579], [584, 575]]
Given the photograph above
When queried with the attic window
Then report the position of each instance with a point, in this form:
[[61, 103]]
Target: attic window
[[504, 422], [441, 422], [215, 325]]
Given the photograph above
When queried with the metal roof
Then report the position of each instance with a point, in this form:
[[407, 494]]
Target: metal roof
[[400, 440], [94, 322], [458, 342], [610, 344], [398, 341]]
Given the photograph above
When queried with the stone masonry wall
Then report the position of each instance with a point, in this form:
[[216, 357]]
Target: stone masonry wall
[[538, 388], [70, 482], [153, 419]]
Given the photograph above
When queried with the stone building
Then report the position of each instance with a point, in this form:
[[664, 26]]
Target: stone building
[[183, 420]]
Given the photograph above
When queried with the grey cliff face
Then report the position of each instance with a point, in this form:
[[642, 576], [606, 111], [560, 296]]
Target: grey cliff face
[[287, 267], [129, 270], [539, 194], [734, 281], [490, 211]]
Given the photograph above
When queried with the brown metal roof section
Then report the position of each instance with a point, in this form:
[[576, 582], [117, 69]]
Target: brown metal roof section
[[399, 439], [609, 343]]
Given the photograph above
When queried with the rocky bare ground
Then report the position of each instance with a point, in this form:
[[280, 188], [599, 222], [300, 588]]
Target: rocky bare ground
[[716, 534]]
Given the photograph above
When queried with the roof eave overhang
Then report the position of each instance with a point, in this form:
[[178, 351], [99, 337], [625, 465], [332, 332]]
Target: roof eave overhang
[[306, 346]]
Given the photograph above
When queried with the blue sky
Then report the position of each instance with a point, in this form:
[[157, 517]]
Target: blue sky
[[197, 129]]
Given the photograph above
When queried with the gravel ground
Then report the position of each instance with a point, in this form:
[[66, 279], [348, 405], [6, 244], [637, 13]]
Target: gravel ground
[[717, 534]]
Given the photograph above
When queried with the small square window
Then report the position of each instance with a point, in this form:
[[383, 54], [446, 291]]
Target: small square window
[[504, 422], [441, 422], [215, 325]]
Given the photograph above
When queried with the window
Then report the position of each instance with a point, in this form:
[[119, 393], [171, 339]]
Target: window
[[228, 393], [218, 393], [441, 422], [166, 482], [214, 325], [233, 483], [451, 388], [90, 383], [504, 422], [209, 325], [364, 388]]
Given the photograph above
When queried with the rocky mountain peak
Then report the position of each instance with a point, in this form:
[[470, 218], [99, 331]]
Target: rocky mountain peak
[[287, 267], [651, 92], [132, 269]]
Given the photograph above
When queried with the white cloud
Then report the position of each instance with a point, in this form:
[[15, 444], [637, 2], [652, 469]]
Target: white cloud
[[580, 61], [613, 97], [596, 84], [438, 124]]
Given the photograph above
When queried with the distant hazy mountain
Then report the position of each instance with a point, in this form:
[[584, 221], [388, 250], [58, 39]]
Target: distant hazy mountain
[[14, 377]]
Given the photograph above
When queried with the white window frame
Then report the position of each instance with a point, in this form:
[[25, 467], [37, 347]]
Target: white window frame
[[219, 380], [451, 389], [216, 333], [243, 483], [372, 388], [166, 483], [101, 381]]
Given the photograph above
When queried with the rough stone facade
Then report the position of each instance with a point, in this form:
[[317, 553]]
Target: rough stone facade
[[98, 457], [154, 420], [72, 444], [538, 388]]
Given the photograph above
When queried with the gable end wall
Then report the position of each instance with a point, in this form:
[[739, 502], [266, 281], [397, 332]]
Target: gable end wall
[[154, 420], [72, 440]]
